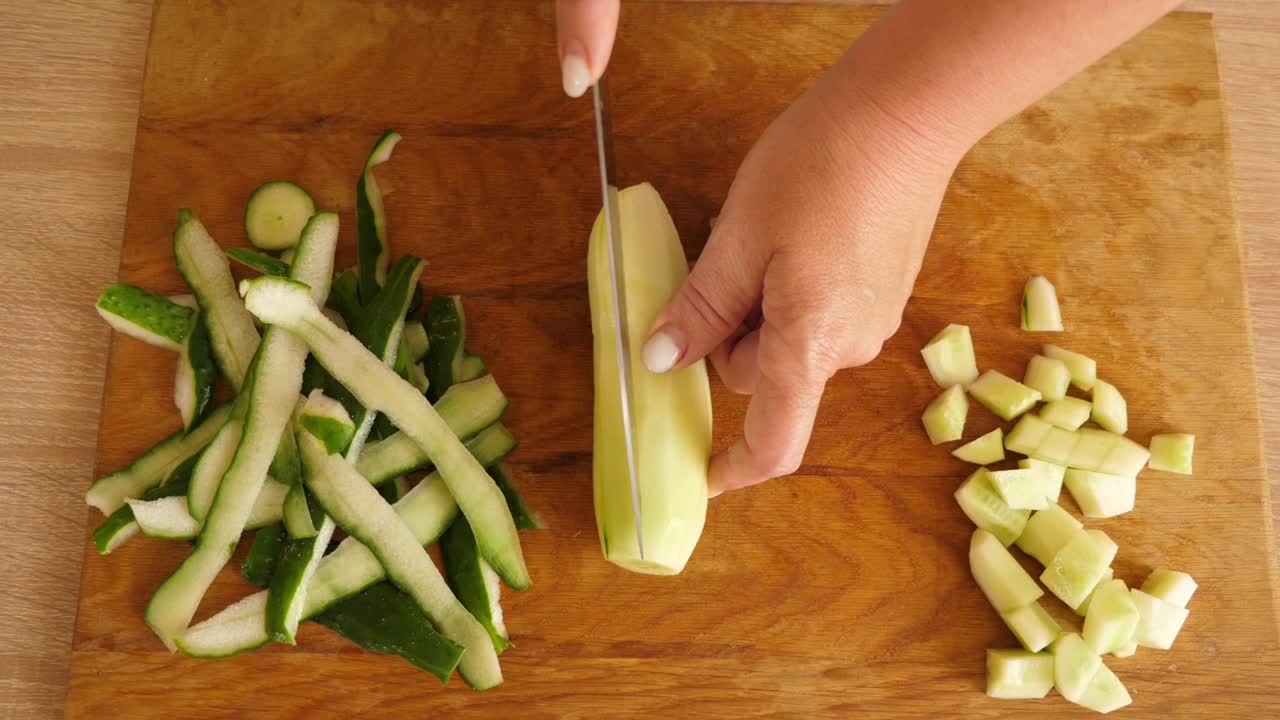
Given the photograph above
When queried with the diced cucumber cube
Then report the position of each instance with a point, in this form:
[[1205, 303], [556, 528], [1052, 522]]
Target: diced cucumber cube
[[1040, 312], [1052, 474], [944, 417], [1158, 621], [1109, 408], [1084, 371], [1127, 650], [1057, 446], [1068, 413], [984, 450], [982, 504], [1083, 610], [1027, 435], [1126, 458], [1101, 495], [1112, 618], [1074, 665], [1032, 626], [1172, 452], [1048, 376], [1105, 692], [1048, 531], [1018, 674], [1003, 395], [1171, 586], [1021, 489], [1092, 448], [1078, 566], [1004, 582], [949, 357]]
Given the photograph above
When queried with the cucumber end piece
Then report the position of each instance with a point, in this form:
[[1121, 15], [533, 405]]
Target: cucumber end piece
[[275, 215], [1040, 311]]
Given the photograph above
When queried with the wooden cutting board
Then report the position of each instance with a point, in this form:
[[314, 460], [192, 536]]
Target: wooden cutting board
[[843, 591]]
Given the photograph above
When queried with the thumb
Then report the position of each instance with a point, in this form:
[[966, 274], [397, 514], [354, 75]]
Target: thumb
[[585, 29], [711, 305]]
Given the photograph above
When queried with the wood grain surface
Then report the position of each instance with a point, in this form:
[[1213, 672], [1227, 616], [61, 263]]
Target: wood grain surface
[[70, 76]]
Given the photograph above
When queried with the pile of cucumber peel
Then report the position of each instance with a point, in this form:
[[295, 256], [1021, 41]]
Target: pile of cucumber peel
[[353, 408], [1019, 506]]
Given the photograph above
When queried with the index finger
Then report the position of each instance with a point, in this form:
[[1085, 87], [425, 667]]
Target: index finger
[[585, 29]]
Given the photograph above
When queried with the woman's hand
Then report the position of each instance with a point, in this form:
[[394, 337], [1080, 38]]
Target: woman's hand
[[585, 30]]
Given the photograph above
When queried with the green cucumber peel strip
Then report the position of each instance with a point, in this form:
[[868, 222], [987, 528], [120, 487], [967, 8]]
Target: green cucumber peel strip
[[525, 517], [167, 517], [259, 261], [371, 223], [416, 343], [121, 525], [446, 333], [260, 564], [277, 380], [193, 383], [474, 583], [139, 314], [301, 516], [328, 420], [472, 367], [344, 297]]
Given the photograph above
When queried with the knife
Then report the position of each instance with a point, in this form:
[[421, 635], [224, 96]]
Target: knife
[[609, 191]]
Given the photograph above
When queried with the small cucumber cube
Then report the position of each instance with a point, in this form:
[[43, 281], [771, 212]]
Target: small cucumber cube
[[1069, 413], [1078, 566], [1057, 446], [1040, 312], [1171, 586], [1158, 621], [1127, 650], [984, 450], [944, 417], [1018, 674], [1052, 475], [1100, 495], [1033, 627], [1126, 458], [1110, 410], [1112, 618], [1047, 532], [1027, 435], [1172, 452], [1048, 376], [983, 505], [1083, 610], [1021, 489], [1084, 371], [1004, 582], [1092, 448], [1003, 395], [1074, 665], [1105, 692], [949, 357]]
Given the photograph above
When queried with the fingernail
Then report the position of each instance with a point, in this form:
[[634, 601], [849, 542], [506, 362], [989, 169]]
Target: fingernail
[[661, 351], [574, 71]]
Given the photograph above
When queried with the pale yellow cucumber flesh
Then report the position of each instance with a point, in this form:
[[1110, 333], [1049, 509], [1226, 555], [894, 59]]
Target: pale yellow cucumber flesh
[[1004, 582], [1104, 693], [1074, 665], [1040, 311], [1027, 435], [1048, 376], [949, 357], [1076, 569], [1048, 531], [983, 505], [1111, 619], [1003, 395], [1069, 413], [1021, 489], [1110, 410], [1032, 625], [1100, 495], [1092, 448], [1057, 446], [1084, 370], [1158, 621], [1083, 609], [1018, 674], [945, 416], [984, 450], [1171, 586], [1126, 458], [1051, 475], [1172, 452]]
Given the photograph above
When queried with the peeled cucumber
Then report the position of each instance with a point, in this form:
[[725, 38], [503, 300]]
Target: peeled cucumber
[[1027, 435], [1048, 376], [1110, 410], [1158, 621], [983, 505], [949, 357], [1171, 586], [1105, 692], [1083, 609], [983, 450], [1003, 395], [1004, 582], [1032, 625], [1068, 413], [1057, 446], [1021, 489], [1172, 452], [1092, 448], [1112, 618], [1100, 495], [1074, 665], [1077, 567], [1048, 531], [1040, 310], [1126, 458], [1018, 674], [945, 415], [1083, 369], [1051, 475]]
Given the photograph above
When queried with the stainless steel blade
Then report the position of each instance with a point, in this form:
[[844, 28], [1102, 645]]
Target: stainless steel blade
[[609, 191]]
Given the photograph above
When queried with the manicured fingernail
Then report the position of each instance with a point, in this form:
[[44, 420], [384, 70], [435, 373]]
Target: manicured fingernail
[[661, 351], [574, 71]]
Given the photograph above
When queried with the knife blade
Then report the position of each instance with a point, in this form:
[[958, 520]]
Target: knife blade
[[609, 192]]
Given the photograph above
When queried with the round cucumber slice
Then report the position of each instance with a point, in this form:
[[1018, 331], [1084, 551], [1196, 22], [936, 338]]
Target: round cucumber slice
[[275, 215]]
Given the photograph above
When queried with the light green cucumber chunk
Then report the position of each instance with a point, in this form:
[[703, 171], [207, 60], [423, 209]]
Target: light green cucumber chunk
[[1021, 489], [1171, 586], [1093, 446], [983, 450], [1048, 376], [1057, 446], [1084, 370], [1027, 435], [1110, 410], [1074, 665], [945, 416], [1172, 452], [1048, 531], [1052, 475], [1018, 674], [1112, 618], [1078, 566], [1003, 395], [1032, 625], [1158, 621], [1127, 650], [275, 215], [139, 314], [949, 357], [1104, 692], [1040, 311], [1083, 610], [1100, 495], [1004, 582], [1068, 413], [328, 420], [982, 504], [1126, 458]]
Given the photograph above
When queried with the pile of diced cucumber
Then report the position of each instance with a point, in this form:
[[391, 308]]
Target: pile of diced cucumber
[[1019, 506], [343, 388]]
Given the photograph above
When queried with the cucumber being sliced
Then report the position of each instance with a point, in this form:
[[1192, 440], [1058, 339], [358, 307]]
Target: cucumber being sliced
[[275, 215], [261, 262], [945, 415], [984, 450], [354, 504], [1078, 566], [139, 314], [1171, 586], [232, 335], [1027, 435], [475, 584], [1052, 475], [1004, 582], [1074, 665], [1158, 621], [982, 504], [1048, 376], [1092, 448], [1022, 489], [1110, 410], [371, 221], [1105, 692], [109, 492], [1100, 495], [1040, 312], [949, 357], [272, 397], [1003, 395], [1032, 625], [193, 382], [1172, 452], [1068, 413], [287, 304], [1126, 458], [1084, 370], [447, 332], [1083, 609], [260, 564], [1111, 619], [1018, 674], [1048, 531]]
